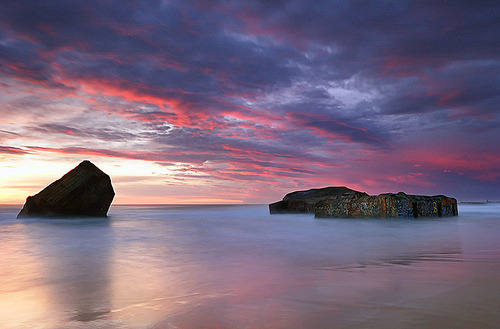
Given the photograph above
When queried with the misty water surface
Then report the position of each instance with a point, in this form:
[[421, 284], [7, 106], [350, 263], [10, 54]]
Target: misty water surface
[[239, 267]]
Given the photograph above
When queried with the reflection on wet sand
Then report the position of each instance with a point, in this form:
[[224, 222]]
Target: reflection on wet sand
[[273, 292], [417, 294], [22, 299], [77, 266], [68, 278]]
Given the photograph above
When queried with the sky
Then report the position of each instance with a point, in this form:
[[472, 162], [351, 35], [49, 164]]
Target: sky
[[244, 101]]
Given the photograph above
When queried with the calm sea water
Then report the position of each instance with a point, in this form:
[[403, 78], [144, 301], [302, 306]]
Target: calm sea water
[[239, 267]]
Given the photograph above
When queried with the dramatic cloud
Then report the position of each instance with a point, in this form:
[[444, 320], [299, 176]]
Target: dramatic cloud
[[244, 100]]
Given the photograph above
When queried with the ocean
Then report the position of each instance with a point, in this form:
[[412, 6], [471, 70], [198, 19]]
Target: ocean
[[239, 267]]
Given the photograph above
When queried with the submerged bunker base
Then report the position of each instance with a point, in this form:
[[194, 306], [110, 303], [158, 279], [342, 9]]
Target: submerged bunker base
[[342, 202], [386, 205]]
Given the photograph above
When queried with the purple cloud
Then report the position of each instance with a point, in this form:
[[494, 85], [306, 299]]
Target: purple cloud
[[259, 90]]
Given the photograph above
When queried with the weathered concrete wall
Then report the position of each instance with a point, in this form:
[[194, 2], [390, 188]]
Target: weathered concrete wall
[[389, 205], [349, 206]]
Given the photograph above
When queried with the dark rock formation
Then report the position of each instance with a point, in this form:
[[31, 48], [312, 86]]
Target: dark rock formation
[[304, 201], [342, 202], [83, 191]]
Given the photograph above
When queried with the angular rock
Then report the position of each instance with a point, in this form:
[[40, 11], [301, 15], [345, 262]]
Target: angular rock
[[388, 205], [83, 191], [304, 201]]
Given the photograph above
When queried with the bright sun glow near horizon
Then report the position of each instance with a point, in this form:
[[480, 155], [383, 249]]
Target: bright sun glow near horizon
[[128, 177]]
